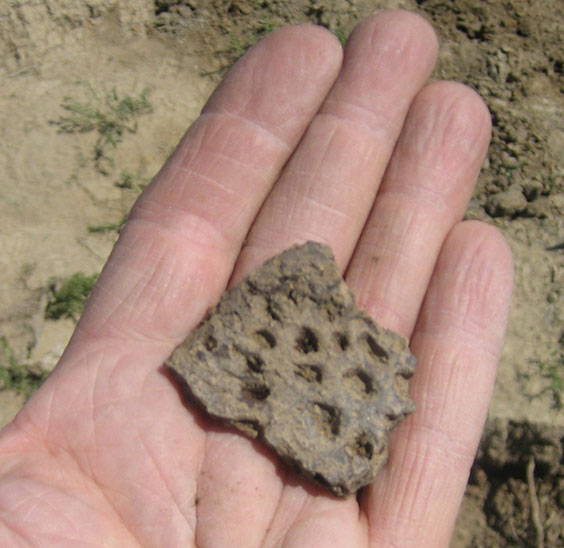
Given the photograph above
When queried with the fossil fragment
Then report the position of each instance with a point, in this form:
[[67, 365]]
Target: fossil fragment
[[286, 356]]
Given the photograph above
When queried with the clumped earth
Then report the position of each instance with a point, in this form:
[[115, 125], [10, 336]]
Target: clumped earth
[[515, 496], [62, 208], [287, 357]]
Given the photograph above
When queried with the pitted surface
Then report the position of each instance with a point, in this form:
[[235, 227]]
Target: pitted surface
[[287, 357]]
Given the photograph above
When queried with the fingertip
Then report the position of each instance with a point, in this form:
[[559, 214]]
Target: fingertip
[[486, 246], [475, 241], [471, 287], [281, 76], [464, 102], [449, 127], [406, 24], [320, 48], [312, 35], [387, 60], [485, 239]]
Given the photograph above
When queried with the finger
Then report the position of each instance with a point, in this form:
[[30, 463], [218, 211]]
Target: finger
[[327, 189], [179, 245], [424, 193], [458, 340]]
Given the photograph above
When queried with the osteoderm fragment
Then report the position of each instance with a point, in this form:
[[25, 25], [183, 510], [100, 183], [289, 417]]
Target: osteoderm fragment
[[287, 357]]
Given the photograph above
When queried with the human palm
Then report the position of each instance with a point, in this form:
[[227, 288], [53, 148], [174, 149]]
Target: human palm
[[366, 159]]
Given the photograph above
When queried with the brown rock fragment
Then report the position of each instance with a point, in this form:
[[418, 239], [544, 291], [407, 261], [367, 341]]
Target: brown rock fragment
[[286, 356]]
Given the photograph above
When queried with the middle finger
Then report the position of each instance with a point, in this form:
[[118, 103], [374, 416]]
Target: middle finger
[[326, 191]]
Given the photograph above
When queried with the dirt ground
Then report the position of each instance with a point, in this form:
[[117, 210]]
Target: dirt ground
[[65, 189]]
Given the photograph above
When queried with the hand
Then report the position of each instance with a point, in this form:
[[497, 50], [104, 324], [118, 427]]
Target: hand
[[365, 158]]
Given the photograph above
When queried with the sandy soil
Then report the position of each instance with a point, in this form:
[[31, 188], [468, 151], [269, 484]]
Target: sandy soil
[[53, 190]]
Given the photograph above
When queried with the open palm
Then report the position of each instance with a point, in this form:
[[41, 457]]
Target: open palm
[[296, 144]]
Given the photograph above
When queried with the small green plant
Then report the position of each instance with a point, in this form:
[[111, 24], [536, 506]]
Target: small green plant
[[342, 35], [14, 376], [554, 182], [267, 25], [250, 28], [68, 299], [130, 181], [110, 116], [110, 227], [81, 163], [236, 47], [553, 372]]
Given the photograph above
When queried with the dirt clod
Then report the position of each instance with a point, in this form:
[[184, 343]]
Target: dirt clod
[[518, 481], [508, 202], [288, 352]]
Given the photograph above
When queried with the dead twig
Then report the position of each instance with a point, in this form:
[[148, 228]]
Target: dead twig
[[18, 72], [535, 506]]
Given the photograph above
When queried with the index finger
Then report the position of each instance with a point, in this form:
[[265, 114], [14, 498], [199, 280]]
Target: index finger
[[177, 250]]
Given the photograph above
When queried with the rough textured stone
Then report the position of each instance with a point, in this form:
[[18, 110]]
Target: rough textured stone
[[286, 356]]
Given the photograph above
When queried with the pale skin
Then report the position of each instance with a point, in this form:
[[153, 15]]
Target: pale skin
[[367, 158]]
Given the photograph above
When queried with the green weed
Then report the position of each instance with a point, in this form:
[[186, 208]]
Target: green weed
[[13, 376], [68, 300], [554, 182], [236, 47], [252, 28], [111, 117], [110, 227], [267, 25], [553, 372], [130, 181], [342, 35], [81, 163]]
